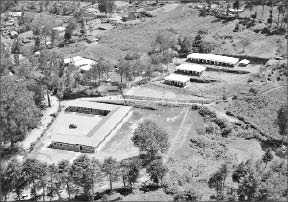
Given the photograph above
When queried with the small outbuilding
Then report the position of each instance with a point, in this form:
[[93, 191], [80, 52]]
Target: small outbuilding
[[191, 69], [243, 63], [177, 80]]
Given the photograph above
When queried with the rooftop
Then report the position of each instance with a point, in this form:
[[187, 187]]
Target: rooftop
[[91, 129], [177, 77], [191, 67], [218, 58]]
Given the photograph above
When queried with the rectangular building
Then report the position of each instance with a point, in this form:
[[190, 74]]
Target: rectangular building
[[177, 80], [191, 69], [212, 59]]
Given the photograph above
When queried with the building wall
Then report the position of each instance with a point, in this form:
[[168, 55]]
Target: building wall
[[72, 147], [85, 110]]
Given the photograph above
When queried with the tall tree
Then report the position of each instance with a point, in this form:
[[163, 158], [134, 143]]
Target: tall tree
[[129, 172], [236, 6], [15, 49], [111, 169], [150, 138], [267, 157], [106, 6], [217, 180], [51, 69], [35, 171], [18, 111], [282, 121], [69, 30], [86, 174], [123, 69], [9, 177], [156, 170], [66, 177]]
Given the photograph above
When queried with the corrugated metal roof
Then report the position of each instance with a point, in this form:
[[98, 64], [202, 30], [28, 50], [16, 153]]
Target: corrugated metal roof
[[212, 57], [177, 77], [191, 67]]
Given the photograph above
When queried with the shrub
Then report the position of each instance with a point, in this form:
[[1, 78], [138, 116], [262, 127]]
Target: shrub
[[226, 131], [220, 122], [207, 113]]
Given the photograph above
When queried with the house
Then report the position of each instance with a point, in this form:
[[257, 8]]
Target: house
[[190, 69], [59, 29], [177, 80], [212, 59], [15, 14], [84, 64]]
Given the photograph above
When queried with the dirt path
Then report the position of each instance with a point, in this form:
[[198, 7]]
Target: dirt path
[[272, 89], [181, 134]]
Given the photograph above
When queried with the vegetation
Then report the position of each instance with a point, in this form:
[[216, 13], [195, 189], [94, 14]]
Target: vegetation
[[150, 139]]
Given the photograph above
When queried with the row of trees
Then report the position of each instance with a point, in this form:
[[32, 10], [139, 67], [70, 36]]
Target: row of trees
[[84, 174], [255, 181], [22, 93]]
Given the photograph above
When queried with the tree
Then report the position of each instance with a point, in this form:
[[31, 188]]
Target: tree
[[150, 138], [42, 27], [129, 172], [270, 19], [186, 44], [51, 69], [248, 181], [53, 182], [86, 173], [123, 69], [15, 49], [267, 157], [111, 169], [9, 177], [5, 59], [19, 180], [236, 5], [263, 7], [280, 9], [66, 177], [18, 111], [282, 121], [36, 173], [163, 41], [106, 6], [156, 170], [249, 6], [69, 30], [217, 180]]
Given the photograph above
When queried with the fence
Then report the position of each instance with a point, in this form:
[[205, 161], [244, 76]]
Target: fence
[[188, 101]]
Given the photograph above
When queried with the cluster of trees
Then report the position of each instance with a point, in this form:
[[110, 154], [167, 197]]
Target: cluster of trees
[[98, 71], [281, 8], [255, 180], [22, 94], [84, 174]]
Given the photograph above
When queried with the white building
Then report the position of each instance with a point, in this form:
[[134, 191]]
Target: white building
[[191, 69], [177, 80], [213, 59], [83, 64]]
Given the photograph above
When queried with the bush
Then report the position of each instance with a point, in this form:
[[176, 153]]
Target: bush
[[226, 131], [207, 113], [221, 123]]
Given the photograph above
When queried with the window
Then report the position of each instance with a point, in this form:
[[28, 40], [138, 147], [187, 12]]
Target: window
[[81, 148]]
